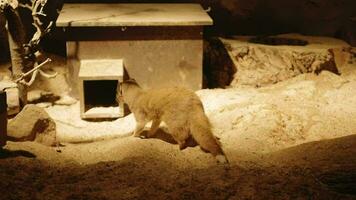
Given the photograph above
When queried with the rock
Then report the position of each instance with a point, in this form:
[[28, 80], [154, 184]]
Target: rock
[[32, 124], [331, 80], [12, 93], [66, 100], [44, 104], [281, 57], [33, 95], [13, 103], [36, 96]]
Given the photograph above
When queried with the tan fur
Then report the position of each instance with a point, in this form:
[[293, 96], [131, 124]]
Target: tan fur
[[181, 110]]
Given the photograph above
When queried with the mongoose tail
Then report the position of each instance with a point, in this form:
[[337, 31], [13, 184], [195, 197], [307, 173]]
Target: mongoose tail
[[201, 131]]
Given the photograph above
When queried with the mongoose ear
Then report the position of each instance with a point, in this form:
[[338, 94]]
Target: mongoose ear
[[131, 80]]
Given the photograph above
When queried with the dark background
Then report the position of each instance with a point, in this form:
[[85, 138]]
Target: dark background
[[333, 18], [312, 17]]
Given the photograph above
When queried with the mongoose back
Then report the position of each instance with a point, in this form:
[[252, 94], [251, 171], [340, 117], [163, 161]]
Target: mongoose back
[[181, 110]]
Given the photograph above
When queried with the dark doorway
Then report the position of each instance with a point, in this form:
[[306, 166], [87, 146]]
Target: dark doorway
[[100, 93]]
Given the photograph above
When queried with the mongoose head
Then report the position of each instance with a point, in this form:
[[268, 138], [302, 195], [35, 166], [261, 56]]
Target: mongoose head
[[128, 86]]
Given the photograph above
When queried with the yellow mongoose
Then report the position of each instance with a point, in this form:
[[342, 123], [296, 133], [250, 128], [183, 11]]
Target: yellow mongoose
[[181, 110]]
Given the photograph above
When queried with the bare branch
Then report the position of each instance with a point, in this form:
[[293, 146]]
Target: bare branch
[[44, 74], [32, 70], [37, 10], [30, 82], [25, 6], [8, 3]]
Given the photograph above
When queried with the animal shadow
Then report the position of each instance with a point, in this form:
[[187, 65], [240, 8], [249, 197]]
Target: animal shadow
[[5, 153], [166, 137]]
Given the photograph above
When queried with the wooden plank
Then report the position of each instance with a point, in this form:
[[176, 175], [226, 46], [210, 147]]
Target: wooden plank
[[95, 15], [131, 33], [101, 69]]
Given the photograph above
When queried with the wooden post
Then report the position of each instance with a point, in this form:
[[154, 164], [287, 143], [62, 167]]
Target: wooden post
[[3, 119]]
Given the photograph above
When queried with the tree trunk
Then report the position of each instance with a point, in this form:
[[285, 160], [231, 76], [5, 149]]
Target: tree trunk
[[17, 39]]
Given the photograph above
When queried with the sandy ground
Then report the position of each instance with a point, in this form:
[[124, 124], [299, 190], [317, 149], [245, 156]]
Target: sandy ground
[[292, 140]]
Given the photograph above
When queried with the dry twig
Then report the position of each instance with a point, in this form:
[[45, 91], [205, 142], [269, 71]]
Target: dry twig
[[34, 72]]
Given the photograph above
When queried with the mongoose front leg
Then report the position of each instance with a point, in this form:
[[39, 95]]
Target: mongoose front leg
[[139, 128], [140, 123], [154, 127], [182, 145]]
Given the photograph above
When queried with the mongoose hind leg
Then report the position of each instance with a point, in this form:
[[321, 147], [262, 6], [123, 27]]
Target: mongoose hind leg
[[182, 145], [180, 135], [154, 128]]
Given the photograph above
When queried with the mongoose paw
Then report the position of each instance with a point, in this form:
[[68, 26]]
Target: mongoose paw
[[142, 136], [182, 146], [221, 159], [136, 135]]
